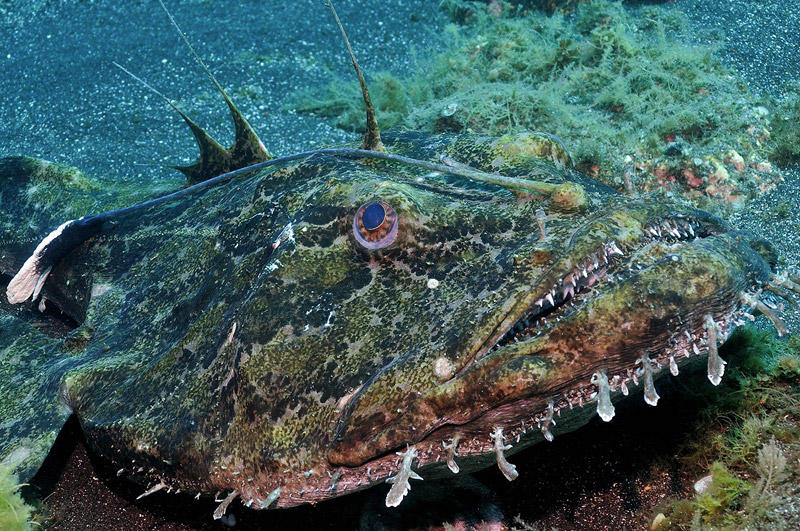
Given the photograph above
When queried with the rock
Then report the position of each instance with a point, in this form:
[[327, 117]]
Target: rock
[[673, 149], [658, 521], [736, 160], [703, 484]]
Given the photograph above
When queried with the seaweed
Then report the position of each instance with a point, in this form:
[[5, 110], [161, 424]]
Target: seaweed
[[15, 515], [785, 139], [618, 87], [748, 432]]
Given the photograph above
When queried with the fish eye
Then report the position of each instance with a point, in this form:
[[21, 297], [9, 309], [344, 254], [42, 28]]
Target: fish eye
[[375, 225]]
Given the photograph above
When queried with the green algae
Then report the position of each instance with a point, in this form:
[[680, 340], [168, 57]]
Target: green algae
[[746, 439], [785, 140], [15, 514], [618, 87]]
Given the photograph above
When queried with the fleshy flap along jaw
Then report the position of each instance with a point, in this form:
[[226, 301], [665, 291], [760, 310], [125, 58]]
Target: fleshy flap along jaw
[[635, 292]]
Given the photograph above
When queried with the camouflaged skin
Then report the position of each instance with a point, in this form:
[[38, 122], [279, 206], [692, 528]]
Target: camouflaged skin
[[241, 339]]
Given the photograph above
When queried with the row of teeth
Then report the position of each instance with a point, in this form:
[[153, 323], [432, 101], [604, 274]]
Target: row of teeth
[[580, 278], [680, 229], [587, 273]]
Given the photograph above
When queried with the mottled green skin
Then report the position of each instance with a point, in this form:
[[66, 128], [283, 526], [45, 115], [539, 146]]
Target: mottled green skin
[[210, 359]]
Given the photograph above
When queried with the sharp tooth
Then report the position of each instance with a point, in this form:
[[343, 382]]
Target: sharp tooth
[[549, 298], [540, 303], [508, 470], [604, 406], [624, 388], [673, 366], [568, 290], [615, 249]]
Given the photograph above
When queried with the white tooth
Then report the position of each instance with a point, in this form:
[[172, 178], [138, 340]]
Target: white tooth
[[673, 366], [695, 349], [624, 388], [568, 290], [540, 302], [604, 406], [549, 298], [615, 249]]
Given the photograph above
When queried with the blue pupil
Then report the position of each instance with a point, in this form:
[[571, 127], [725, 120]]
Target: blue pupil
[[373, 216]]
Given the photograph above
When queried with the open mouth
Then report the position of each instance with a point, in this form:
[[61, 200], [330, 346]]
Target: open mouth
[[609, 264]]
